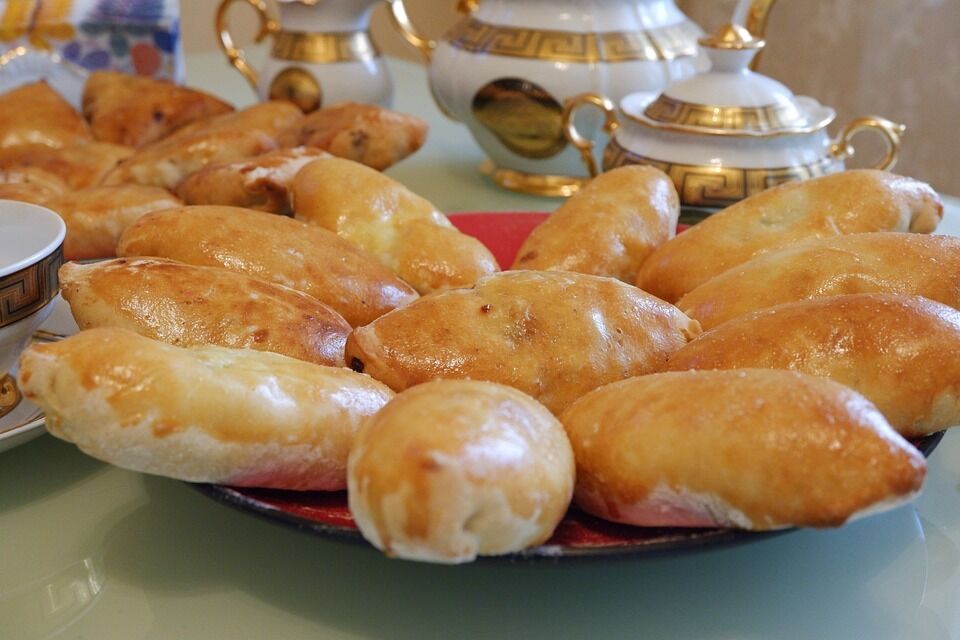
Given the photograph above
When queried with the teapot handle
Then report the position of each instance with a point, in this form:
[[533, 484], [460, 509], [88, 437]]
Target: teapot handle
[[753, 15], [891, 131], [585, 145], [235, 55], [401, 20]]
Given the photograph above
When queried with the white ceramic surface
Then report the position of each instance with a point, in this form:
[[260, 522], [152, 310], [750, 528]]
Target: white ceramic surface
[[28, 233], [353, 81], [14, 337], [456, 75]]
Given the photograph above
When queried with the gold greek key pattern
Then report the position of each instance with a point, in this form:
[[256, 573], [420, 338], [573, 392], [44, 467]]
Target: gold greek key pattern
[[301, 46], [666, 43], [26, 291], [706, 186], [767, 118]]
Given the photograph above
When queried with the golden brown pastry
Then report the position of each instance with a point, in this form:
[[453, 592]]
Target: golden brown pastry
[[96, 217], [752, 448], [384, 218], [454, 469], [608, 228], [187, 306], [36, 114], [273, 248], [226, 138], [260, 183], [137, 110], [856, 201], [553, 335], [30, 184], [206, 414], [365, 133], [905, 263], [79, 166], [901, 352]]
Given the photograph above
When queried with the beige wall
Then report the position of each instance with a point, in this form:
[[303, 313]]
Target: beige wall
[[896, 58]]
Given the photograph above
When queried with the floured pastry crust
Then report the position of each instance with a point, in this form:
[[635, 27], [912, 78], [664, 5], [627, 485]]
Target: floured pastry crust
[[754, 449], [186, 305], [206, 414], [226, 138], [384, 218], [289, 252], [36, 114], [608, 228], [904, 263], [553, 335], [136, 110], [451, 470], [364, 133], [260, 183], [857, 201], [97, 216], [901, 352], [78, 167]]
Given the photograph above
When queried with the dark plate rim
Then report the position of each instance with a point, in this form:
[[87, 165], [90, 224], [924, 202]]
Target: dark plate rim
[[699, 539]]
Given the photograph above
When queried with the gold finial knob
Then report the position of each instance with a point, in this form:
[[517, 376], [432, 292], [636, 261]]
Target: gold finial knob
[[732, 36]]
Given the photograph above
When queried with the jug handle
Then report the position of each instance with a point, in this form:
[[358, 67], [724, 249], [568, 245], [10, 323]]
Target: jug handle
[[753, 15], [235, 55], [401, 20], [585, 145], [892, 132]]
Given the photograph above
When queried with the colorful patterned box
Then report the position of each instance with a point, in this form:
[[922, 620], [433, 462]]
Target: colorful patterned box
[[134, 36]]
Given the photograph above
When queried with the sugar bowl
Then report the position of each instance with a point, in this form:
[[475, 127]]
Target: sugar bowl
[[728, 133]]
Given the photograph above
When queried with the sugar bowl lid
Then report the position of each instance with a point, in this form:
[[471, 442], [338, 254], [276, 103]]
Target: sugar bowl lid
[[730, 99]]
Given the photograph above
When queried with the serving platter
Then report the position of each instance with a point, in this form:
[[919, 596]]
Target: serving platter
[[579, 536]]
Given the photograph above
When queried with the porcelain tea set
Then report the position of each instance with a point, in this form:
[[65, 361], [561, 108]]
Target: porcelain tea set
[[519, 74]]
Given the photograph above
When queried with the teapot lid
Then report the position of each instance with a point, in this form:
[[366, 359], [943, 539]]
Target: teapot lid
[[730, 99]]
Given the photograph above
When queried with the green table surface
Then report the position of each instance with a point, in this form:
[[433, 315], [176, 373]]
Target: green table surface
[[91, 551]]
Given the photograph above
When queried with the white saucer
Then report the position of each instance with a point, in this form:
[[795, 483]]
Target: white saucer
[[25, 421]]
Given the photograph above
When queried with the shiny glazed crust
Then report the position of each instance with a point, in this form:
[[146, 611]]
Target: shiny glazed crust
[[857, 201], [904, 263], [553, 335], [97, 216], [36, 114], [608, 228], [755, 449], [454, 469], [206, 414], [364, 133], [225, 138], [186, 305], [137, 110], [273, 248], [381, 216], [78, 166], [260, 183], [901, 352]]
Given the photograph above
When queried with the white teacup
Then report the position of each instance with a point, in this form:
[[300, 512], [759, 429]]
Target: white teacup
[[31, 252]]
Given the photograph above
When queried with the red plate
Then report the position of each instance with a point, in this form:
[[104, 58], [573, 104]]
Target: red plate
[[578, 536]]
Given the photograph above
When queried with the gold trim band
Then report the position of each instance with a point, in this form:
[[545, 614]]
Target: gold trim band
[[28, 290], [302, 46], [766, 118], [531, 183], [665, 43], [9, 394], [715, 187]]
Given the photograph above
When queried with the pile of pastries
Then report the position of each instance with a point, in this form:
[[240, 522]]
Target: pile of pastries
[[143, 145], [761, 370]]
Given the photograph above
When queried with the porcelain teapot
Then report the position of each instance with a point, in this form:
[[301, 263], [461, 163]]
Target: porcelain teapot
[[507, 67], [728, 133], [322, 53]]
